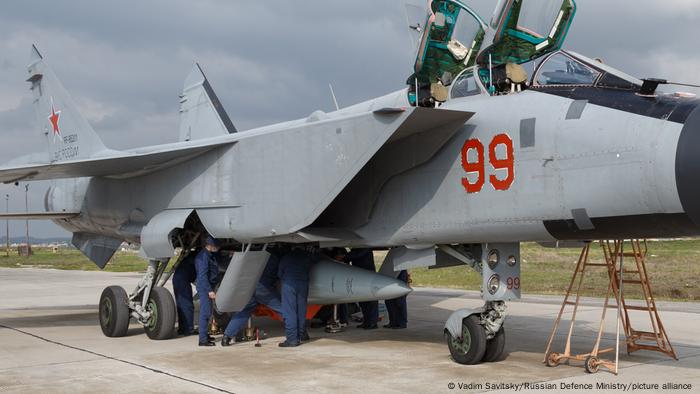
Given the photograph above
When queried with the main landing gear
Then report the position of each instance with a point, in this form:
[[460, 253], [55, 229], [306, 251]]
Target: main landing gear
[[150, 304]]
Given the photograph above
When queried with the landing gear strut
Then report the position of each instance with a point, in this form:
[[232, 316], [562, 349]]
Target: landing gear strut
[[151, 305], [477, 335]]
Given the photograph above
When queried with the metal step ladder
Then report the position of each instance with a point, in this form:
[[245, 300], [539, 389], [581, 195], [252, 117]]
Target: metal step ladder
[[618, 276], [657, 339]]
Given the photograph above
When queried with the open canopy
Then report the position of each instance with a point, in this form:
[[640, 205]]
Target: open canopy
[[452, 38], [525, 30]]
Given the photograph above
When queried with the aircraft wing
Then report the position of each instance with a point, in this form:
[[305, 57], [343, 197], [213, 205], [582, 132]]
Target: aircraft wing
[[125, 164]]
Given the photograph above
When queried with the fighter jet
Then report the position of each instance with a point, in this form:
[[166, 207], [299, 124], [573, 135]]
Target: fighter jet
[[500, 137]]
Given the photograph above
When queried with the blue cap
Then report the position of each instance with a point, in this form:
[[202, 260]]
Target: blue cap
[[213, 241]]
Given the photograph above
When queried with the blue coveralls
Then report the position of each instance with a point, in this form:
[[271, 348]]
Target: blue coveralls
[[293, 272], [265, 294], [183, 277], [397, 308], [364, 258], [207, 274]]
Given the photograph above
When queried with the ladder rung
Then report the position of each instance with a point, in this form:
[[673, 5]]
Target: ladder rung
[[631, 254], [596, 265], [646, 334], [639, 282], [631, 272], [640, 308], [570, 303], [652, 347]]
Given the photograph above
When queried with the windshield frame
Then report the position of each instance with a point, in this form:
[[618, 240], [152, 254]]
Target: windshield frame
[[471, 70], [602, 68], [538, 71]]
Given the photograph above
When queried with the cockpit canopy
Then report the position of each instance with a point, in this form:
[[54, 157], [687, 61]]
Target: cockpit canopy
[[524, 30], [565, 68], [560, 69], [521, 31], [451, 40]]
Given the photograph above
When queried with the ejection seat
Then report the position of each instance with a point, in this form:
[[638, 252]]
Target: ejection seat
[[510, 78]]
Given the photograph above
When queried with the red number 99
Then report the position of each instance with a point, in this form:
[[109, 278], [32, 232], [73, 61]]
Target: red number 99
[[502, 164], [471, 168]]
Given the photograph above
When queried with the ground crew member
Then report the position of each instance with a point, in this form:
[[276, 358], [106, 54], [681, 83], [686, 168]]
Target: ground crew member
[[364, 258], [293, 272], [265, 294], [397, 308], [207, 270], [183, 277]]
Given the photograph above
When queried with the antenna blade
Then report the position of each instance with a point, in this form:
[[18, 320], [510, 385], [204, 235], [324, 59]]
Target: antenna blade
[[335, 101]]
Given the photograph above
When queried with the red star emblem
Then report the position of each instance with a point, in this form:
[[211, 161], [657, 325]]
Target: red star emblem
[[53, 118]]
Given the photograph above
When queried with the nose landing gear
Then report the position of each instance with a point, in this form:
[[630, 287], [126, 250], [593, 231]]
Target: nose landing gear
[[477, 335]]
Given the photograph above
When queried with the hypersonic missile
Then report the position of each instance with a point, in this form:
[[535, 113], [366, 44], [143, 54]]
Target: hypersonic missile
[[332, 282]]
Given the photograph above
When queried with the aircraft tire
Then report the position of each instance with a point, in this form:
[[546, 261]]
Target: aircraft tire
[[495, 347], [161, 325], [114, 312], [469, 349]]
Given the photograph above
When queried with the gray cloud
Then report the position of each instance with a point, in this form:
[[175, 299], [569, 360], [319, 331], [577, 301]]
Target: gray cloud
[[269, 61]]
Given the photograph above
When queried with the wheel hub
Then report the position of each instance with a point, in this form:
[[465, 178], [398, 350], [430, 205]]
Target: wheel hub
[[106, 311], [463, 344], [153, 310]]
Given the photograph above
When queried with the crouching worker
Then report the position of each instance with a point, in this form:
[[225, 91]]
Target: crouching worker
[[265, 294], [207, 270], [294, 277]]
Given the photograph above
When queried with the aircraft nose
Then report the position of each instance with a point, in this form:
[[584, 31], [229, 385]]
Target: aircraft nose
[[688, 165]]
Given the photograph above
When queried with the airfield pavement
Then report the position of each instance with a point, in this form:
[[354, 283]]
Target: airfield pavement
[[50, 341]]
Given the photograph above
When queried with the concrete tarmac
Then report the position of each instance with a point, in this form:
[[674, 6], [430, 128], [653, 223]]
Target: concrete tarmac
[[50, 341]]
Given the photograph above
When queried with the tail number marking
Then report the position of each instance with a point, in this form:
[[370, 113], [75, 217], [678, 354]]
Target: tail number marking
[[501, 159]]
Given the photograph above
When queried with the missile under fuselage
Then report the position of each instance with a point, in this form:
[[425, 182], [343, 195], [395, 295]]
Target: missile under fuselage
[[332, 282]]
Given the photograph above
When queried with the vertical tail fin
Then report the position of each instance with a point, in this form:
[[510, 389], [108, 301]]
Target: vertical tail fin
[[68, 134], [201, 112]]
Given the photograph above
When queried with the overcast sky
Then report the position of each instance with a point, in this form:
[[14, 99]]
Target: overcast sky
[[124, 61]]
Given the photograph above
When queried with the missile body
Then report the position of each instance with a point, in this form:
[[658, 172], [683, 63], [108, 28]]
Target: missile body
[[332, 282]]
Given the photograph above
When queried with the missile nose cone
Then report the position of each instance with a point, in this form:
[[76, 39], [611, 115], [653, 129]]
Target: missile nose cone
[[391, 289]]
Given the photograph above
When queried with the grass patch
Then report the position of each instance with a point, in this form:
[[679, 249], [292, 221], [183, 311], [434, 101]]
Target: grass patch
[[72, 259], [673, 267]]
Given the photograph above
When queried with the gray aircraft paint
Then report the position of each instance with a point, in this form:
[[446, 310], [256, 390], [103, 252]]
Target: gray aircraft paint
[[575, 164]]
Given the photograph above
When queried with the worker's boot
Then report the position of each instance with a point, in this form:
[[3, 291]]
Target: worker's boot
[[227, 341]]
